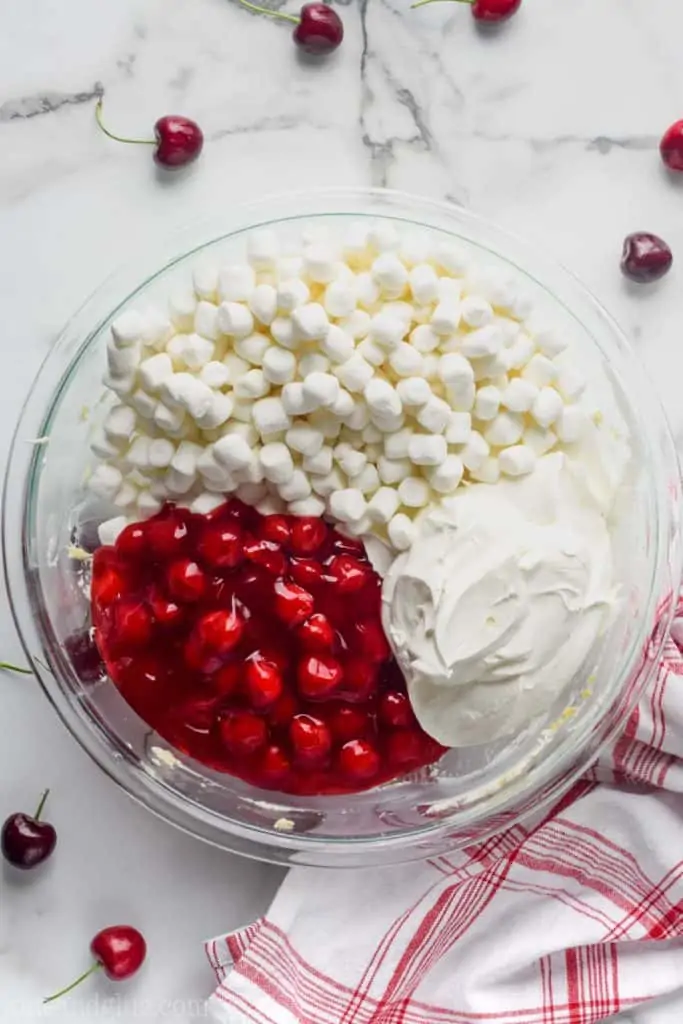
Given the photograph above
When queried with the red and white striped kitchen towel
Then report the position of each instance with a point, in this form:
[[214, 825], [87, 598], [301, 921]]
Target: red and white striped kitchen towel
[[568, 922]]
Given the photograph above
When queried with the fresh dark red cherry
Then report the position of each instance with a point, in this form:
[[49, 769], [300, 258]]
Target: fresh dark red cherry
[[119, 951], [645, 257], [485, 10], [26, 841], [177, 140], [671, 147], [319, 29]]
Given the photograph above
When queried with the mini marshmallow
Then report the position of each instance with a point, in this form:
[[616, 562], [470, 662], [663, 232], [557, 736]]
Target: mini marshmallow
[[519, 353], [320, 262], [304, 439], [547, 406], [414, 492], [414, 392], [484, 341], [219, 411], [127, 329], [205, 281], [181, 306], [383, 237], [119, 424], [246, 430], [462, 398], [105, 481], [390, 275], [279, 365], [263, 303], [276, 462], [161, 451], [197, 351], [367, 480], [157, 329], [206, 502], [313, 362], [294, 401], [371, 351], [292, 293], [143, 403], [337, 345], [214, 374], [434, 416], [405, 360], [446, 317], [347, 505], [371, 435], [235, 319], [366, 291], [123, 362], [271, 505], [290, 268], [283, 332], [184, 462], [237, 366], [296, 488], [415, 248], [148, 505], [396, 445], [571, 383], [517, 460], [383, 505], [540, 441], [458, 428], [233, 452], [263, 249], [138, 453], [427, 449], [393, 471], [446, 477], [252, 493], [110, 529], [387, 330], [236, 282], [339, 299], [424, 284], [176, 484], [351, 462], [430, 367], [321, 388], [344, 405], [269, 416], [424, 338], [326, 485], [126, 495], [357, 325], [449, 290], [540, 371], [487, 403], [102, 447], [504, 430], [320, 463], [206, 320], [401, 532], [548, 341], [519, 395], [168, 420], [310, 506], [571, 424], [455, 370], [310, 321], [382, 399], [251, 349], [476, 312], [242, 410], [474, 452], [451, 257], [488, 472]]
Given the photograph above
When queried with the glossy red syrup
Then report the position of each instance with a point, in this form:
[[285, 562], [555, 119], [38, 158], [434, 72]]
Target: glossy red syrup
[[254, 644]]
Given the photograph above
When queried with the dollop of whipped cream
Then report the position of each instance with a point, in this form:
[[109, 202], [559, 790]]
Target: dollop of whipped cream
[[499, 601]]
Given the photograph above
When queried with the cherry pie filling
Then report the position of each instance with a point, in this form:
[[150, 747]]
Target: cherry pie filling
[[254, 644]]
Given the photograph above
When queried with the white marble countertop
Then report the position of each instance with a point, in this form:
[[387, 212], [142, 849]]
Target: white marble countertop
[[549, 127]]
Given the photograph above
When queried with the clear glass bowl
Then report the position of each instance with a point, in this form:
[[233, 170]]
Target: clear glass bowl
[[471, 793]]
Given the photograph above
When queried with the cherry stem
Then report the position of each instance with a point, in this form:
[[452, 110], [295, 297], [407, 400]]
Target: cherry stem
[[15, 668], [41, 805], [118, 138], [421, 3], [270, 11], [69, 988]]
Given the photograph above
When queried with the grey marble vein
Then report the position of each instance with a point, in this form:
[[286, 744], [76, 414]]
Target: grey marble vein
[[26, 107]]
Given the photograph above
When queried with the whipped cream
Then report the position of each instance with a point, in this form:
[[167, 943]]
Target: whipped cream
[[500, 600]]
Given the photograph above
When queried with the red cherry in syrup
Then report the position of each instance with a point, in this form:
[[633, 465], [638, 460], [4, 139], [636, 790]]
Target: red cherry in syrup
[[360, 679], [165, 611], [85, 657], [243, 732], [132, 542], [404, 748], [177, 140], [276, 529], [220, 545], [307, 535], [316, 633], [132, 622], [370, 641], [348, 723], [349, 574], [185, 580], [671, 147], [275, 765], [319, 29], [167, 536], [318, 676], [221, 630], [119, 951], [310, 738], [25, 840], [485, 10], [266, 554], [306, 572], [263, 683], [359, 760], [645, 257], [227, 680], [395, 710], [293, 604]]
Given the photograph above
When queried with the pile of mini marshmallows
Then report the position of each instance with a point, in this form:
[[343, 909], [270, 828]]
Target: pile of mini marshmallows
[[361, 378]]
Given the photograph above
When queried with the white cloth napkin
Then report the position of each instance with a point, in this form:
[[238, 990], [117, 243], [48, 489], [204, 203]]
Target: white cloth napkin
[[568, 921]]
